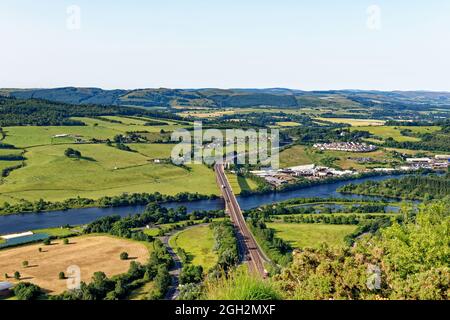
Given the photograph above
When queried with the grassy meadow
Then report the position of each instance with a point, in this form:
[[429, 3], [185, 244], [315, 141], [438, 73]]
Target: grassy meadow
[[311, 235], [102, 170], [198, 242], [303, 155], [239, 183], [385, 132]]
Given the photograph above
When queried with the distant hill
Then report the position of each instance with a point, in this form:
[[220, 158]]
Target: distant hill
[[221, 98]]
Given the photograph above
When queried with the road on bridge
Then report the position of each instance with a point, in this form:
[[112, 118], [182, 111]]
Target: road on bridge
[[251, 253]]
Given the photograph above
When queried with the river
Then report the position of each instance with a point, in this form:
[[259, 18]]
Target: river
[[34, 221]]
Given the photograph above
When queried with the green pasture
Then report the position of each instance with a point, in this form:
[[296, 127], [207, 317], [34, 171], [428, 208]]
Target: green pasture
[[312, 235], [303, 155], [395, 132], [102, 171], [239, 183], [198, 242]]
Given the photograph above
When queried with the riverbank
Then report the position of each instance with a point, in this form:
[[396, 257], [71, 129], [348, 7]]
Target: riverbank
[[42, 220]]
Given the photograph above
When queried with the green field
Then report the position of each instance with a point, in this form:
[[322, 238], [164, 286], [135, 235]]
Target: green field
[[198, 242], [153, 151], [28, 136], [395, 132], [303, 155], [56, 232], [5, 152], [239, 183], [298, 155], [23, 137], [103, 171], [128, 125], [8, 164], [311, 235]]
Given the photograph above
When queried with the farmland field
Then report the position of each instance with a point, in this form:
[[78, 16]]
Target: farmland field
[[8, 164], [4, 152], [90, 253], [23, 137], [102, 171], [239, 183], [298, 155], [385, 132], [303, 155], [311, 235], [198, 242], [355, 122], [128, 125], [288, 124]]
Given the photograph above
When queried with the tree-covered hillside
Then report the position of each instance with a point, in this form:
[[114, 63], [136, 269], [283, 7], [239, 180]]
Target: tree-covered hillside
[[18, 112], [381, 104]]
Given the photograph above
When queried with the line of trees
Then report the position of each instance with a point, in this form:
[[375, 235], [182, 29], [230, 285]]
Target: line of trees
[[19, 112], [278, 250], [226, 246], [123, 200]]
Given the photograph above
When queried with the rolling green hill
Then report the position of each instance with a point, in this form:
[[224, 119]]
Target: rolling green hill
[[351, 101]]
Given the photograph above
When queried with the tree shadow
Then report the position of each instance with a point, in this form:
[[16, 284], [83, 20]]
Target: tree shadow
[[88, 159], [243, 184], [132, 258]]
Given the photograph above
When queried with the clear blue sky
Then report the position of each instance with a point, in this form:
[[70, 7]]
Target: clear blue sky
[[255, 43]]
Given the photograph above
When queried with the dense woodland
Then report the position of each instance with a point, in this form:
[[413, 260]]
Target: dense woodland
[[16, 112], [414, 187]]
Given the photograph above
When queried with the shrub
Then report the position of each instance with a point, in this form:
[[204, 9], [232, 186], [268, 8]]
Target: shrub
[[124, 256], [239, 285], [71, 153], [17, 275], [66, 241], [61, 275], [47, 242], [25, 264], [27, 291], [191, 274]]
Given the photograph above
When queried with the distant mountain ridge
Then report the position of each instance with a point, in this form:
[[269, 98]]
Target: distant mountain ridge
[[224, 98]]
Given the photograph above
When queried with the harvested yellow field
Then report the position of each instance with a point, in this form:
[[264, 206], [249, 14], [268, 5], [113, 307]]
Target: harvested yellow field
[[355, 122], [89, 253]]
